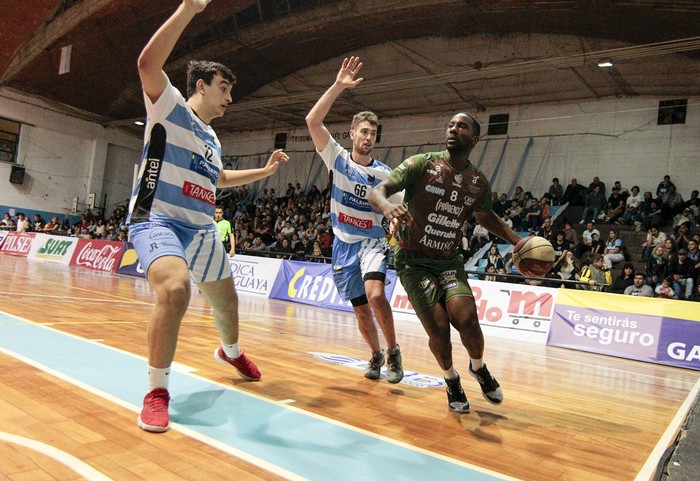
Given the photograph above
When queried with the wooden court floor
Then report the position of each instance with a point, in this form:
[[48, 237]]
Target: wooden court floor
[[567, 415]]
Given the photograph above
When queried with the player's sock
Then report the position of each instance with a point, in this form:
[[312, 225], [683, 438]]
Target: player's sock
[[232, 351], [477, 363], [451, 373], [158, 377]]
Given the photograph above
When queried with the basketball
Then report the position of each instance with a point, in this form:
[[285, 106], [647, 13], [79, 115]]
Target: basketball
[[533, 256]]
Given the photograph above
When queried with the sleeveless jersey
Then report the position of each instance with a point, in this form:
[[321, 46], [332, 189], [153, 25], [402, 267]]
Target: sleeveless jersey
[[180, 166], [353, 217], [440, 198]]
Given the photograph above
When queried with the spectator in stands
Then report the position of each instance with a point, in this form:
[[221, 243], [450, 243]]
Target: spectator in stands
[[685, 217], [533, 215], [39, 223], [645, 209], [51, 226], [597, 183], [507, 219], [258, 244], [631, 214], [663, 186], [680, 236], [501, 205], [655, 215], [672, 202], [516, 213], [585, 245], [570, 234], [654, 238], [657, 266], [561, 246], [545, 230], [623, 190], [575, 194], [122, 236], [284, 249], [665, 289], [495, 258], [596, 274], [569, 268], [544, 206], [556, 192], [491, 271], [288, 230], [518, 196], [694, 257], [615, 206], [696, 294], [6, 219], [694, 205], [595, 203], [681, 270], [624, 279], [326, 240], [480, 237], [639, 287], [613, 250]]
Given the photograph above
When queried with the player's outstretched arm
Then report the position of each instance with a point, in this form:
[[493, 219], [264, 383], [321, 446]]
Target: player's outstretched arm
[[233, 178], [160, 46], [344, 80], [379, 198]]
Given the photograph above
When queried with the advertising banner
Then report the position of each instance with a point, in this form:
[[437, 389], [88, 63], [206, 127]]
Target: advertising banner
[[311, 283], [52, 248], [99, 255], [17, 244], [254, 275], [3, 234], [513, 311], [641, 328], [129, 263]]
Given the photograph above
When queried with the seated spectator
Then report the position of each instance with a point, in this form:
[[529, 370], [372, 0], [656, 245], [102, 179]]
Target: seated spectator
[[326, 240], [654, 238], [288, 230], [51, 226], [694, 257], [258, 244], [480, 237], [545, 230], [584, 247], [615, 206], [6, 219], [491, 270], [624, 279], [594, 204], [681, 236], [613, 250], [685, 217], [694, 205], [663, 186], [657, 266], [653, 216], [631, 215], [597, 183], [569, 269], [495, 258], [639, 287], [561, 247], [284, 249], [671, 203], [665, 290], [570, 234], [681, 270], [518, 196], [532, 215], [575, 194], [516, 212], [555, 193], [39, 223], [501, 205], [596, 274], [696, 294]]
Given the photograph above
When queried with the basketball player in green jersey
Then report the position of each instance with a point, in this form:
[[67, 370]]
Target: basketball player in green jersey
[[442, 190]]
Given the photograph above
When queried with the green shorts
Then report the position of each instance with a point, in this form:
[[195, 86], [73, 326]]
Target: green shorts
[[427, 280]]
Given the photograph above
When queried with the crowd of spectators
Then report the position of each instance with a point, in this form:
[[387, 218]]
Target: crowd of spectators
[[296, 224]]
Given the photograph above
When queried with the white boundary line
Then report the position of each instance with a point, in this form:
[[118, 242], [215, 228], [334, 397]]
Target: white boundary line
[[62, 457], [225, 447], [649, 468]]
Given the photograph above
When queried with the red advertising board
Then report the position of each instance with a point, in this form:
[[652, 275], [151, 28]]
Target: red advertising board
[[17, 244], [98, 255]]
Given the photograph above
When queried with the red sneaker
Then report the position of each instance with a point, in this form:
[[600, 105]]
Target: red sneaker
[[154, 415], [243, 366]]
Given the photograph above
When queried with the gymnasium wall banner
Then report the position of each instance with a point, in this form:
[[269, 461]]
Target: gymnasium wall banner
[[641, 328], [254, 275], [3, 234], [17, 244], [312, 283], [513, 311], [99, 255], [52, 248]]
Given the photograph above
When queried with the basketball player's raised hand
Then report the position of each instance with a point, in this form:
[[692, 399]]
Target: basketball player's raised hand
[[196, 5], [347, 73]]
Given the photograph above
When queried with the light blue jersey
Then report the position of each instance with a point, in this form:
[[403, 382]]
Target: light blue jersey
[[353, 217], [180, 167]]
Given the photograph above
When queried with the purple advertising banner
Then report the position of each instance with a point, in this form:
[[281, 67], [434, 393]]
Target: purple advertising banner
[[312, 283], [645, 329]]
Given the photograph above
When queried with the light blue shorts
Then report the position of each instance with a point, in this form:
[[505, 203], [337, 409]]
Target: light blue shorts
[[202, 249], [355, 263]]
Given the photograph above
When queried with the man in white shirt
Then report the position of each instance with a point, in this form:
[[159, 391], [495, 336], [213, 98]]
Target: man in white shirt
[[639, 288], [586, 239], [22, 223]]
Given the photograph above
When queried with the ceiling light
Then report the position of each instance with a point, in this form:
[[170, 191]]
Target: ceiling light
[[605, 63], [138, 122]]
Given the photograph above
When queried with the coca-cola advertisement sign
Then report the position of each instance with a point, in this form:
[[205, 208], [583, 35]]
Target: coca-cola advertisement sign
[[98, 255]]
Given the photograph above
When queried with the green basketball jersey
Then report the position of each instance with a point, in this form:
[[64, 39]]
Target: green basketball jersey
[[440, 198]]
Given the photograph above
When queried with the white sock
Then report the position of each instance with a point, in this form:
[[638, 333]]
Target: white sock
[[158, 378], [477, 363], [451, 373], [232, 351]]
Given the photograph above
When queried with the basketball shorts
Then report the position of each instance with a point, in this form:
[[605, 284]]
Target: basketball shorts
[[428, 280], [357, 262], [201, 249]]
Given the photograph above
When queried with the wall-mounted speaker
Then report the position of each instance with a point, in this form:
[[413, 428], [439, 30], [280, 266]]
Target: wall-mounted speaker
[[17, 174]]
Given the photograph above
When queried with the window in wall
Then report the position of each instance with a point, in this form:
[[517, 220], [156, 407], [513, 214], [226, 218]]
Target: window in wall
[[9, 138], [498, 124], [672, 112]]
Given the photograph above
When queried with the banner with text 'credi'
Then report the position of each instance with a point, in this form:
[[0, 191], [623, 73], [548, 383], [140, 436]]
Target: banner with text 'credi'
[[648, 329], [312, 283]]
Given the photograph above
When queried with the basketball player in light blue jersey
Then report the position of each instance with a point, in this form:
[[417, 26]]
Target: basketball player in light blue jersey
[[171, 211], [359, 247]]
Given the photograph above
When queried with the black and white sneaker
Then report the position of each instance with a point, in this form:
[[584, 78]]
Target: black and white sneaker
[[374, 366], [456, 398], [489, 386]]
